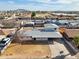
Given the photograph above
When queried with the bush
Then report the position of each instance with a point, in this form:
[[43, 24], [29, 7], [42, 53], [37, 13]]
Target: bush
[[76, 40]]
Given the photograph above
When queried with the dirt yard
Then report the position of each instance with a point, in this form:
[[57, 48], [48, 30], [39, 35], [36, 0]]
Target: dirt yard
[[27, 50]]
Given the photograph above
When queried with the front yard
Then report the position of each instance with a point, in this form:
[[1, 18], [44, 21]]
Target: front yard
[[28, 50]]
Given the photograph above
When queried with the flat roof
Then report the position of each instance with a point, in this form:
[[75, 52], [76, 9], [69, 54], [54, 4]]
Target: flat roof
[[39, 34]]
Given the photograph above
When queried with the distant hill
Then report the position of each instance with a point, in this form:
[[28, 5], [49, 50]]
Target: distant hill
[[20, 10], [23, 11]]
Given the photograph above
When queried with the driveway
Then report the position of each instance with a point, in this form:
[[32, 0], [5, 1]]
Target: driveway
[[59, 51]]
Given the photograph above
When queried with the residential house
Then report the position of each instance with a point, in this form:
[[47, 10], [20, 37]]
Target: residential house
[[71, 33], [50, 31]]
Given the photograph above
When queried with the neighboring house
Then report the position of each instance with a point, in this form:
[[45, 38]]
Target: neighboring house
[[49, 31], [71, 33], [74, 25], [38, 23], [27, 24], [51, 26], [61, 23]]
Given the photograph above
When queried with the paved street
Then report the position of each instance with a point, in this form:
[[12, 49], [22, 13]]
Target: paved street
[[59, 51]]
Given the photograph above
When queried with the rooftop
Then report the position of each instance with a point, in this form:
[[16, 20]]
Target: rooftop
[[51, 26], [41, 34], [71, 33]]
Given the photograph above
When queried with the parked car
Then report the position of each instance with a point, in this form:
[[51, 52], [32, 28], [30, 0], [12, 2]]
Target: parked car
[[4, 41]]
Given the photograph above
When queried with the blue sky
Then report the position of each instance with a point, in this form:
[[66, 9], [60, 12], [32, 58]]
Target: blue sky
[[45, 5]]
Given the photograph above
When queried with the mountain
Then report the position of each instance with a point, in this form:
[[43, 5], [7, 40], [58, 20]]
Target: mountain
[[20, 10]]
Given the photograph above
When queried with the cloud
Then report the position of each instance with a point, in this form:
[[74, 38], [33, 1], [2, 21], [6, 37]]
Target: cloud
[[75, 7], [56, 1], [44, 1], [11, 2], [66, 1], [40, 4]]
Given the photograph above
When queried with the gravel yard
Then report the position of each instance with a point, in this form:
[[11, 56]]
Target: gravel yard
[[27, 50]]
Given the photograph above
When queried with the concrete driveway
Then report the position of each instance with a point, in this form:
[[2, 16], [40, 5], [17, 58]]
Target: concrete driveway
[[59, 51]]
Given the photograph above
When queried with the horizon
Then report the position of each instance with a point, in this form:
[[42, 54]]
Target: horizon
[[42, 10], [40, 5]]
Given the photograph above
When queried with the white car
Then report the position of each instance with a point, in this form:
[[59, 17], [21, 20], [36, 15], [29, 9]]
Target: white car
[[4, 42]]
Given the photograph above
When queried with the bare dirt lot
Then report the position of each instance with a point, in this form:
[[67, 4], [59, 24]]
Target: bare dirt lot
[[27, 50]]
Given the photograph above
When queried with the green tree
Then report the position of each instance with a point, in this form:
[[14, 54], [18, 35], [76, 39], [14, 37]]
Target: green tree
[[33, 14], [76, 40]]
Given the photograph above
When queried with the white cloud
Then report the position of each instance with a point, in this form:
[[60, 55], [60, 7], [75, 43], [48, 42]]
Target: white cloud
[[43, 5], [57, 1], [75, 7], [67, 1], [45, 1], [11, 2]]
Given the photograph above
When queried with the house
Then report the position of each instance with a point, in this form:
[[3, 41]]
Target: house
[[74, 25], [61, 23], [51, 26], [50, 31], [38, 23], [71, 33], [27, 24]]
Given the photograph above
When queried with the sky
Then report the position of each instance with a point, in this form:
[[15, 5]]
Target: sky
[[44, 5]]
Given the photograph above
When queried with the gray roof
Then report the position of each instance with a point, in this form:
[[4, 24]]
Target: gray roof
[[51, 26], [38, 34], [63, 21]]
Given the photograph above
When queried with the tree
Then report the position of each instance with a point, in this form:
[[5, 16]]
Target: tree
[[33, 14], [76, 40]]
